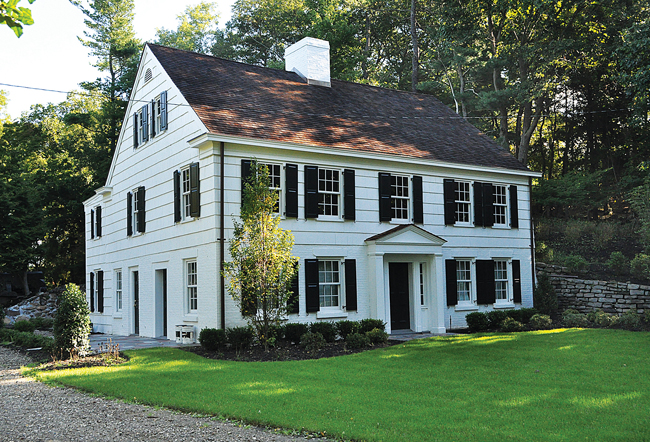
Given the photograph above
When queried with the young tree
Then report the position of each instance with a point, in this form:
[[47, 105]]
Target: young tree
[[262, 268]]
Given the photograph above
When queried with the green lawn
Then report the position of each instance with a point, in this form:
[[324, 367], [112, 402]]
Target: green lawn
[[559, 385]]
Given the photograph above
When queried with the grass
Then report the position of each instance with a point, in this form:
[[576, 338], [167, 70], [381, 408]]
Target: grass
[[558, 385]]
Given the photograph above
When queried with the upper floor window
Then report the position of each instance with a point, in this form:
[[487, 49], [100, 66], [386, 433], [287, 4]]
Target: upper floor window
[[135, 219], [150, 120], [187, 195], [96, 222], [462, 199], [275, 183], [480, 204], [400, 198], [186, 192], [500, 205], [399, 202], [329, 192]]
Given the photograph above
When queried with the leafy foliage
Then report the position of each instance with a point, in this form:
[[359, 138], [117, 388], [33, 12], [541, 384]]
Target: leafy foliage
[[346, 328], [369, 324], [544, 296], [541, 322], [72, 323], [357, 340], [326, 329], [477, 322], [240, 338], [15, 16], [312, 341], [197, 30], [212, 338], [293, 331], [377, 336], [640, 266]]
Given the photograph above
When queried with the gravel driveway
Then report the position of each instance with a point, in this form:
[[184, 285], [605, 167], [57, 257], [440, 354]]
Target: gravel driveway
[[32, 411]]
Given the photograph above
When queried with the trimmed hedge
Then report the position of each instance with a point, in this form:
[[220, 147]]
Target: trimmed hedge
[[371, 324], [346, 328], [326, 329], [477, 322], [294, 331], [212, 338]]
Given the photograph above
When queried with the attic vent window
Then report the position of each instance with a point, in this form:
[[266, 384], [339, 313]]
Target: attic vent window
[[148, 75]]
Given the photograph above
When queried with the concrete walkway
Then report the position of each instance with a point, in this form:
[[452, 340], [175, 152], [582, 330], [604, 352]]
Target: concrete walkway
[[409, 335]]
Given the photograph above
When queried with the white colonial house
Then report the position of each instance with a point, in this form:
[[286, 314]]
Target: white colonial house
[[400, 209]]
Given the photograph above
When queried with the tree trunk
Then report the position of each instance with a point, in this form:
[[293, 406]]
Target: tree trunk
[[366, 55], [529, 123], [26, 284]]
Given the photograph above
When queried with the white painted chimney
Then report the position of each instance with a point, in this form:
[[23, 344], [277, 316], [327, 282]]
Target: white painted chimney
[[310, 58]]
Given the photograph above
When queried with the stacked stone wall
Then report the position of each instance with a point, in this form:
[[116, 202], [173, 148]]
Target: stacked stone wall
[[586, 295], [42, 305]]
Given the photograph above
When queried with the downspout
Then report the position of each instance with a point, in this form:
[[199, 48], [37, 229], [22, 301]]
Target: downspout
[[221, 237], [532, 230]]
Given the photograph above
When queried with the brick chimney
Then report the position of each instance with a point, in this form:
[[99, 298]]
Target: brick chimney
[[310, 58]]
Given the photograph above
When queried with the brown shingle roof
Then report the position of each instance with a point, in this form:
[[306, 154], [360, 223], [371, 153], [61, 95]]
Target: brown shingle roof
[[237, 99]]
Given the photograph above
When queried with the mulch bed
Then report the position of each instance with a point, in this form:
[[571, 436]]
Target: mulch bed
[[283, 351]]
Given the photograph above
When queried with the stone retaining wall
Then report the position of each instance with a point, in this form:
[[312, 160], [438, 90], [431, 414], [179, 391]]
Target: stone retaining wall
[[586, 295], [42, 305]]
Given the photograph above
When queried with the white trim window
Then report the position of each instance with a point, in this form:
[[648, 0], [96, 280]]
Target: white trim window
[[422, 284], [463, 200], [135, 212], [329, 192], [191, 287], [464, 280], [156, 113], [185, 193], [142, 135], [501, 281], [118, 290], [329, 283], [500, 205], [399, 196], [275, 182]]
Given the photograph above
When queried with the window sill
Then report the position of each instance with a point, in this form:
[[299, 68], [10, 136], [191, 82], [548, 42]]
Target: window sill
[[464, 225], [117, 316], [504, 305], [466, 308], [335, 219], [501, 226], [400, 221], [190, 318], [331, 314]]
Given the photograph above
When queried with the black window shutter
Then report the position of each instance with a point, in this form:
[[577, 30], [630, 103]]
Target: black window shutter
[[384, 197], [351, 285], [478, 204], [516, 280], [153, 118], [195, 191], [145, 123], [452, 286], [98, 220], [514, 208], [311, 283], [349, 199], [291, 184], [294, 299], [135, 130], [92, 223], [129, 214], [311, 192], [485, 293], [450, 202], [418, 203], [141, 217], [245, 173], [177, 197], [100, 291], [163, 111], [92, 292], [488, 204]]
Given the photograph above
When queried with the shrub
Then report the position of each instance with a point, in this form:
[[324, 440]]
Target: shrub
[[28, 340], [629, 321], [312, 342], [599, 318], [212, 338], [371, 324], [543, 252], [540, 322], [276, 332], [294, 331], [346, 328], [522, 315], [575, 263], [24, 326], [2, 317], [573, 318], [326, 329], [511, 325], [618, 263], [495, 318], [357, 340], [42, 323], [477, 322], [72, 323], [376, 336], [240, 337], [544, 297], [640, 266]]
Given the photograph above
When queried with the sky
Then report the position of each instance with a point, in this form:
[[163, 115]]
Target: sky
[[49, 56]]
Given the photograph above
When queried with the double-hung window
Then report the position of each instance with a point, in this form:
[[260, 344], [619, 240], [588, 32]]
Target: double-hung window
[[185, 178], [400, 198], [275, 183], [329, 192], [500, 205], [464, 280], [191, 288], [187, 193], [399, 201], [329, 284], [118, 290], [422, 284], [483, 282], [501, 281], [462, 198], [136, 210], [135, 213]]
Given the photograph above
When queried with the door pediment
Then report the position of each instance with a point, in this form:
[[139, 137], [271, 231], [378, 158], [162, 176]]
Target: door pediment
[[406, 234]]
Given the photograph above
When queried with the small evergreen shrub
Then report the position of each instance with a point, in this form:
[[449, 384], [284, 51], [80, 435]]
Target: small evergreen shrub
[[573, 318], [629, 321], [640, 266], [495, 318], [544, 297], [294, 331], [212, 338], [541, 322], [240, 338], [326, 329], [27, 339], [377, 337], [345, 328], [42, 323], [477, 322], [312, 341], [24, 326], [575, 263], [72, 323], [618, 263], [522, 315], [599, 318], [357, 341], [2, 317], [511, 325], [276, 331], [370, 324]]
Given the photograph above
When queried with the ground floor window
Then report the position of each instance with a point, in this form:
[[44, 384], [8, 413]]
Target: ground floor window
[[501, 280], [464, 279], [191, 286], [329, 283], [118, 290]]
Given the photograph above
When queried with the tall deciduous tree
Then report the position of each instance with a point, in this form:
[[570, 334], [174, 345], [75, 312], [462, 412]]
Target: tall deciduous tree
[[197, 30], [15, 16], [262, 268]]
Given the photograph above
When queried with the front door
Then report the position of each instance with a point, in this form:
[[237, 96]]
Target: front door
[[161, 303], [136, 303], [398, 281]]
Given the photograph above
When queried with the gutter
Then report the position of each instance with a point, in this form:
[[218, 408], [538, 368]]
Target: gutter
[[532, 232], [222, 282]]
